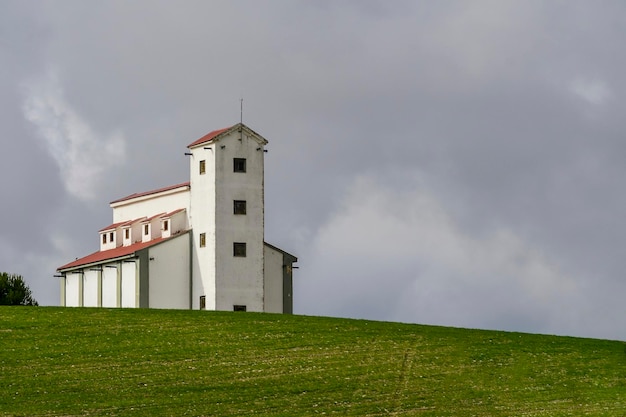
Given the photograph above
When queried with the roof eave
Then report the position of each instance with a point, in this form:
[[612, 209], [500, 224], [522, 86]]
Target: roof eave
[[96, 263]]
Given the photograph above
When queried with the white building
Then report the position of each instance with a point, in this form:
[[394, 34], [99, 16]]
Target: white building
[[195, 245]]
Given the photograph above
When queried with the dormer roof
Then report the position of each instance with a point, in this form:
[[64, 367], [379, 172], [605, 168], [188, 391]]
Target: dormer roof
[[216, 135], [171, 213], [120, 224], [149, 219]]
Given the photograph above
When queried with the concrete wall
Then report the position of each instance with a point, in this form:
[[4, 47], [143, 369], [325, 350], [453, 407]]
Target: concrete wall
[[239, 280], [169, 274], [273, 277]]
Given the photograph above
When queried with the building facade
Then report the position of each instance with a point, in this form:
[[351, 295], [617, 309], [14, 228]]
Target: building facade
[[195, 245]]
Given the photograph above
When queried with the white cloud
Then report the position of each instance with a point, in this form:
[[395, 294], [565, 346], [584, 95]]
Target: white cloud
[[593, 91], [83, 155], [399, 255]]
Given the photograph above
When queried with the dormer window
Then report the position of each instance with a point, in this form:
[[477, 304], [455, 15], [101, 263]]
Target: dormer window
[[104, 238], [166, 225], [146, 229], [127, 234], [111, 237]]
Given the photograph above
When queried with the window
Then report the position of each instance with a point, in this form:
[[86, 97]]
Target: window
[[202, 167], [203, 302], [239, 165], [239, 207], [127, 234], [146, 229], [239, 249], [202, 240], [166, 225], [111, 237], [104, 238], [239, 308]]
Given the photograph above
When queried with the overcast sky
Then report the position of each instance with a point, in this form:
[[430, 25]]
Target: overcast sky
[[440, 162]]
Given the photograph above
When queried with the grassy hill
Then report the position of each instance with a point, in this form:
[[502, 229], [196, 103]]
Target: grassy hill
[[60, 362]]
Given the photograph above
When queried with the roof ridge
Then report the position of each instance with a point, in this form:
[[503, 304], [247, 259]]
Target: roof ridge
[[211, 135], [155, 191]]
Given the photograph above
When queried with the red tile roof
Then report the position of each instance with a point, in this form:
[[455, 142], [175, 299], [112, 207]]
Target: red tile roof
[[111, 227], [121, 224], [112, 253], [171, 213], [159, 190], [209, 136]]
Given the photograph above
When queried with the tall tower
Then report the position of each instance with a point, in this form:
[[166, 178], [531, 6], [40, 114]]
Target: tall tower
[[227, 218]]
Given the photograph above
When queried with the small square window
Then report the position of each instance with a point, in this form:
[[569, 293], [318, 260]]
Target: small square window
[[239, 249], [239, 207], [203, 302], [202, 240], [104, 238], [239, 165], [127, 234], [111, 237], [166, 225], [202, 167], [239, 308], [146, 229]]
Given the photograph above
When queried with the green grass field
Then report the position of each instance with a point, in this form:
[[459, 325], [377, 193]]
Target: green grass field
[[67, 362]]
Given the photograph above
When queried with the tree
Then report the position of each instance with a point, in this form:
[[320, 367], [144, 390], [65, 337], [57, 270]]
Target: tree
[[14, 291]]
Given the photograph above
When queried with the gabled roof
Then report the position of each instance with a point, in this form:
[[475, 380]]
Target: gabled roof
[[209, 136], [217, 134], [111, 254], [111, 227], [295, 258], [158, 190]]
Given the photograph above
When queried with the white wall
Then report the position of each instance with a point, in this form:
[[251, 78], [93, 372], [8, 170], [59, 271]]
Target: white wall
[[169, 274], [109, 287], [129, 284], [273, 277], [110, 244], [202, 220], [72, 288], [149, 206], [90, 288]]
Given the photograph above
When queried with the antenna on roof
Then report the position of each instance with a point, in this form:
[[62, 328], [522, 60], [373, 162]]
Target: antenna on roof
[[241, 119]]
